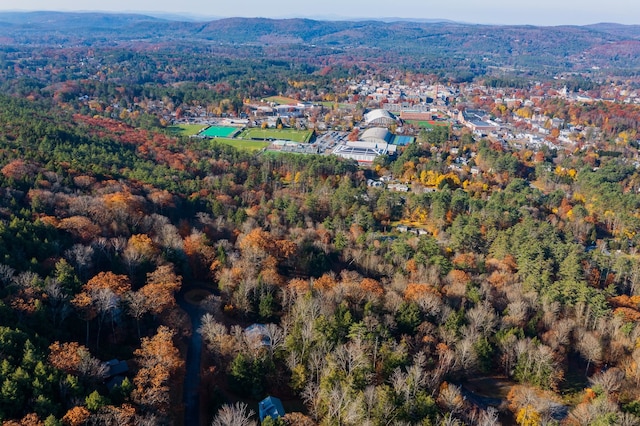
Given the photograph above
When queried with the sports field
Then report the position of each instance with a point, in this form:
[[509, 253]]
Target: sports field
[[219, 132], [427, 124], [402, 140], [281, 100], [186, 129], [329, 104], [300, 136], [243, 144]]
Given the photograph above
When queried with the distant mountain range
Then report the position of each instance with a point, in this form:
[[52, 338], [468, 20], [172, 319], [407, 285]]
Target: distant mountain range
[[561, 47]]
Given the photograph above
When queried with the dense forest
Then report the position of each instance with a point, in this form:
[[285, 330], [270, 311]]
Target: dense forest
[[514, 298]]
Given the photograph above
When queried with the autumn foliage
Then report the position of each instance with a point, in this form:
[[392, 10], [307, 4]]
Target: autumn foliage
[[159, 361]]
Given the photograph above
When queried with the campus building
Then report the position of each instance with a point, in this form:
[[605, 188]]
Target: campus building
[[364, 152], [379, 117]]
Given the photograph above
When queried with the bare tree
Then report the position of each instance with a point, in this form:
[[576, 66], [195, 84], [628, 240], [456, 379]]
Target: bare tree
[[105, 302], [446, 361], [488, 418], [589, 346], [429, 303], [91, 367], [215, 335], [118, 244], [517, 313], [451, 399], [450, 420], [340, 405], [237, 414], [563, 329], [136, 306], [378, 409], [25, 280], [349, 358], [609, 380], [166, 233], [81, 257], [482, 318], [408, 384], [276, 338], [317, 362], [628, 419], [6, 274], [310, 397], [466, 356], [586, 414], [132, 258], [57, 302], [551, 311]]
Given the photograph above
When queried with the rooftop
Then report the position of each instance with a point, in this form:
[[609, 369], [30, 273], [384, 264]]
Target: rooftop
[[270, 407]]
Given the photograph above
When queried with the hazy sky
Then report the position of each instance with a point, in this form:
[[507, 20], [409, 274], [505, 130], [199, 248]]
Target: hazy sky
[[538, 12]]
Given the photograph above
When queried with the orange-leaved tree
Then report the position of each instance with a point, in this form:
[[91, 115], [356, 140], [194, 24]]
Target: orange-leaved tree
[[159, 360]]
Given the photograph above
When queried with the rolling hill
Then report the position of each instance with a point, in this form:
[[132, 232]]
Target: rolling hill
[[571, 48]]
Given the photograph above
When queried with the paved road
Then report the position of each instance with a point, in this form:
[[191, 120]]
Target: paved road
[[191, 397]]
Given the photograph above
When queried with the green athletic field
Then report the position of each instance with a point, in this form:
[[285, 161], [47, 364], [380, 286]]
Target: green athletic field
[[243, 144], [427, 124], [329, 104], [219, 132], [300, 136], [186, 129]]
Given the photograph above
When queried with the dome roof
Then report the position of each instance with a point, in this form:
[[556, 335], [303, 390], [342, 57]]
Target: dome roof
[[379, 116], [376, 134]]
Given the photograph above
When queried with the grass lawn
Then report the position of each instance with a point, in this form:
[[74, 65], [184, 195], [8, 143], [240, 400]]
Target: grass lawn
[[243, 144], [300, 136], [281, 100], [186, 129], [328, 104]]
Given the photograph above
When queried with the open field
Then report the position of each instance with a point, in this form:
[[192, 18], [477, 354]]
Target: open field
[[186, 129], [300, 136], [243, 144], [281, 100], [329, 104]]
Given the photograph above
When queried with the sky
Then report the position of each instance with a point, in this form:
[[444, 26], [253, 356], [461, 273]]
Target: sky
[[536, 12]]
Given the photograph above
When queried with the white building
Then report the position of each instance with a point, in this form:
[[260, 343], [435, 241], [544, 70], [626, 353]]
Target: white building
[[379, 117], [363, 151]]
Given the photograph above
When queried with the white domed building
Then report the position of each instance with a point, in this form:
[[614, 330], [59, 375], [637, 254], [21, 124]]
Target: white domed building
[[380, 117], [377, 135], [373, 143]]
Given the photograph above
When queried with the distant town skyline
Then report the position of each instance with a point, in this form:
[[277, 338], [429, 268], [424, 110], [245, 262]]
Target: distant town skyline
[[507, 12]]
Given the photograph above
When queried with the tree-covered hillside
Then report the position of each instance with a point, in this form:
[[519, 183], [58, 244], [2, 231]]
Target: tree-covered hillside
[[471, 279]]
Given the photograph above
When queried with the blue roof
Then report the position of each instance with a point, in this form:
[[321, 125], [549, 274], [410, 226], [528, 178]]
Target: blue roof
[[270, 407]]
